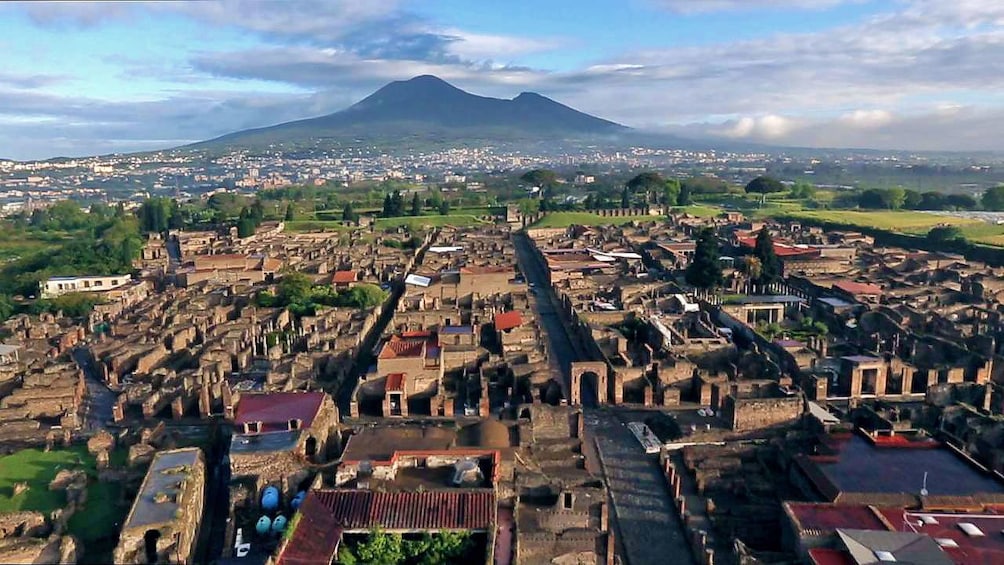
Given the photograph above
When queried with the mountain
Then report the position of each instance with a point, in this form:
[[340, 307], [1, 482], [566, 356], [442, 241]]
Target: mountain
[[432, 108]]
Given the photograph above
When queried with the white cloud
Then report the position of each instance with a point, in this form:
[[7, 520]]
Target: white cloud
[[704, 6]]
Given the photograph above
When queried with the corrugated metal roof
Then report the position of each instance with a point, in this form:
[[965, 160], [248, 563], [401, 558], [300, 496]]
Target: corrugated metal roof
[[275, 409], [315, 539], [430, 510]]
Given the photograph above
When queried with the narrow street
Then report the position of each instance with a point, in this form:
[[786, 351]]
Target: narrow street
[[646, 525], [100, 399]]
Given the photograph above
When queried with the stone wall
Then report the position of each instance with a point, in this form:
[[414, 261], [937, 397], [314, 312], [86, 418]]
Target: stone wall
[[757, 413]]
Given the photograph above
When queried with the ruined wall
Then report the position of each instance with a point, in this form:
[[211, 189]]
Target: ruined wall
[[756, 413]]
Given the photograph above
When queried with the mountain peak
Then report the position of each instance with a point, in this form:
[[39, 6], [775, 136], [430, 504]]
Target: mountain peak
[[428, 105]]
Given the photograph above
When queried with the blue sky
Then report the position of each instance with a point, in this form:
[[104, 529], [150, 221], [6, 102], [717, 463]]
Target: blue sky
[[84, 78]]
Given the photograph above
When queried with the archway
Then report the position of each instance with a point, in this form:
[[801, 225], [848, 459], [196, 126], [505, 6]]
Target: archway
[[150, 539], [310, 449], [588, 384]]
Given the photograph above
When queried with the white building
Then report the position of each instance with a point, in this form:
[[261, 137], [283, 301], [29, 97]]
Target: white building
[[57, 286]]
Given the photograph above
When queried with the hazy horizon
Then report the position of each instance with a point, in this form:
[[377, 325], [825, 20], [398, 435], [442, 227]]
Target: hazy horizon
[[917, 75]]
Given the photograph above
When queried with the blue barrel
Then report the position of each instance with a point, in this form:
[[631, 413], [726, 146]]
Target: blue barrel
[[263, 526], [279, 524], [298, 500], [270, 498]]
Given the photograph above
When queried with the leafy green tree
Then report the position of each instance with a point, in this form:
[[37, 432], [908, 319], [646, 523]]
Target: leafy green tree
[[803, 189], [625, 198], [444, 207], [416, 205], [295, 288], [993, 198], [896, 197], [684, 198], [671, 193], [529, 206], [245, 227], [946, 234], [290, 214], [6, 307], [770, 265], [912, 200], [932, 200], [764, 185], [349, 214], [705, 270], [648, 183], [363, 296], [544, 178], [960, 201], [257, 212]]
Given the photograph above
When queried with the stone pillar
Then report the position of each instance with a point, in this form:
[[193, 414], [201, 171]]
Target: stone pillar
[[178, 407], [118, 409], [856, 382], [205, 402]]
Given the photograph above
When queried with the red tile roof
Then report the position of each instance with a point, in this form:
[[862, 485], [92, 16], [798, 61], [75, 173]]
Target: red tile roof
[[430, 510], [782, 249], [409, 344], [830, 517], [315, 539], [275, 409], [344, 277], [395, 382], [855, 288], [325, 514], [486, 270], [826, 556], [508, 320]]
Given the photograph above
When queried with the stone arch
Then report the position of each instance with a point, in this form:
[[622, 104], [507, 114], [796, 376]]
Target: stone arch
[[150, 539], [595, 373]]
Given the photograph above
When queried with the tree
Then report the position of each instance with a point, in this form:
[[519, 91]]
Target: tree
[[528, 206], [912, 200], [290, 214], [257, 212], [705, 270], [444, 207], [647, 183], [544, 178], [295, 288], [684, 198], [960, 201], [625, 198], [6, 307], [945, 234], [362, 296], [896, 196], [416, 205], [932, 200], [348, 214], [993, 198], [671, 194], [770, 266], [803, 189], [764, 185], [397, 204], [751, 267], [245, 226], [388, 206]]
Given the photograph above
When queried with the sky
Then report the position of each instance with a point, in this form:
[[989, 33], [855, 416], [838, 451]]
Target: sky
[[81, 78]]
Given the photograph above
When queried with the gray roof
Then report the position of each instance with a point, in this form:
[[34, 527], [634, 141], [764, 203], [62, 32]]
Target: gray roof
[[264, 443], [774, 299], [167, 475], [905, 547]]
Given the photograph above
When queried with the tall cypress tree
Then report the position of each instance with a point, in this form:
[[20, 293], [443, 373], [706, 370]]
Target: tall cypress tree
[[705, 270], [771, 267]]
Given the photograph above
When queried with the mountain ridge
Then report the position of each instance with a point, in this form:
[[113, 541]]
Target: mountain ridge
[[426, 104]]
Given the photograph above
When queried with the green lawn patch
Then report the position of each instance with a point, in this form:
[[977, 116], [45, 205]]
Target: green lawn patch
[[37, 468], [699, 210], [901, 221], [565, 219], [415, 223], [100, 513], [300, 226]]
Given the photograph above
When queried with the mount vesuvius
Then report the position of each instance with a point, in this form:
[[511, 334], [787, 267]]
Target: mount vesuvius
[[431, 108]]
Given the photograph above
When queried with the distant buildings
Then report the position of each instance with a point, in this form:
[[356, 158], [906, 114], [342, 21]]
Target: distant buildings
[[57, 286]]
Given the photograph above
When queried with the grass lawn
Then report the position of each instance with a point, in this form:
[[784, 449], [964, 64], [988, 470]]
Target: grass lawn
[[565, 219], [699, 210], [315, 225], [417, 222], [101, 512], [38, 468], [916, 223]]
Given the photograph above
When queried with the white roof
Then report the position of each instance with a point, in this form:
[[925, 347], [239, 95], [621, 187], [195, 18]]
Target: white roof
[[8, 349], [417, 280], [445, 249]]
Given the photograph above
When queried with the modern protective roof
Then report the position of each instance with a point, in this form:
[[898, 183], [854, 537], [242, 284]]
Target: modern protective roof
[[508, 320], [275, 409]]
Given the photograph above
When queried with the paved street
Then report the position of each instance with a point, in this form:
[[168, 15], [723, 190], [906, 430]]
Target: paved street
[[100, 399], [648, 529]]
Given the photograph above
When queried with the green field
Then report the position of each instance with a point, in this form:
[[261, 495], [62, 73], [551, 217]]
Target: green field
[[37, 468], [299, 226], [565, 219], [699, 210], [415, 223], [916, 223]]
